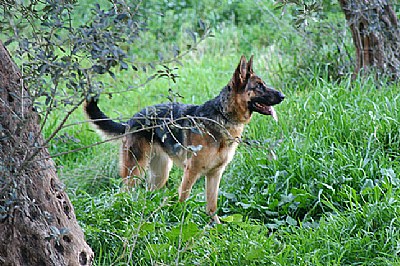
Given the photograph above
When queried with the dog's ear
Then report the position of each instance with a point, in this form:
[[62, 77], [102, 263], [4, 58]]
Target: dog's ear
[[250, 66], [239, 77]]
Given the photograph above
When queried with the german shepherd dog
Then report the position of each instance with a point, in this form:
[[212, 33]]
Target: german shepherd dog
[[201, 139]]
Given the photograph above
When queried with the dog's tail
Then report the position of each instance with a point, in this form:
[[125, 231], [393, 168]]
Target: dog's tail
[[101, 121]]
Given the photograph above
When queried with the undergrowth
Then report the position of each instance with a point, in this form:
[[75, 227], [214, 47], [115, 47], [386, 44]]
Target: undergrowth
[[320, 187]]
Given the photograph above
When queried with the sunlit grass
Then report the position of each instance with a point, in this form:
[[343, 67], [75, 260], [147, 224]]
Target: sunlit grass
[[329, 196], [320, 187]]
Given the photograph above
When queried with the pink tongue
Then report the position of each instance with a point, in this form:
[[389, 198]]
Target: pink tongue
[[273, 113], [269, 110]]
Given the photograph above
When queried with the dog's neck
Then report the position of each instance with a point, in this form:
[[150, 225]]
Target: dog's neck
[[221, 103], [226, 106]]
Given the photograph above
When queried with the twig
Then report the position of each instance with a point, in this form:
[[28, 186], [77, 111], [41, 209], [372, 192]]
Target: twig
[[32, 155], [180, 235]]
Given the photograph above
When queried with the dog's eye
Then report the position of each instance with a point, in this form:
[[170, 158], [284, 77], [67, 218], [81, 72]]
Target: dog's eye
[[259, 88]]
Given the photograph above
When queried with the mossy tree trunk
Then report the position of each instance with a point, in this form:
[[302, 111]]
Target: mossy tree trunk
[[37, 221], [376, 36]]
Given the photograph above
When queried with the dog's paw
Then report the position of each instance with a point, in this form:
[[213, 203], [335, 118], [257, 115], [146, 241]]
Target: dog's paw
[[183, 194], [215, 219]]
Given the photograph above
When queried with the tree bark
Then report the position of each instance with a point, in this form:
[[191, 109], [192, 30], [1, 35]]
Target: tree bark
[[376, 36], [37, 221]]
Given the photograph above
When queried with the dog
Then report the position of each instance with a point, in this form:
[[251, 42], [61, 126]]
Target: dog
[[201, 139]]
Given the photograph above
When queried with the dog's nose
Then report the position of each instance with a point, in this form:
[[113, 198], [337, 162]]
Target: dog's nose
[[281, 96]]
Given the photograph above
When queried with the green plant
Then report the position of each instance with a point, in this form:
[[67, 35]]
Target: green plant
[[320, 187]]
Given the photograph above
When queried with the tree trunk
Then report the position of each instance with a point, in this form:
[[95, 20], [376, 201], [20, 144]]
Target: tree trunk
[[376, 36], [37, 221]]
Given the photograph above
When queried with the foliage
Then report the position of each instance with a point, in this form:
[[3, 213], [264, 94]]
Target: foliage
[[62, 54], [321, 187], [329, 197], [374, 30], [356, 160]]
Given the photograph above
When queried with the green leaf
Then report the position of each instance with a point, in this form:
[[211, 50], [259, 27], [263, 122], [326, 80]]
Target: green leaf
[[235, 218], [185, 232], [291, 221], [146, 229], [155, 250], [254, 253]]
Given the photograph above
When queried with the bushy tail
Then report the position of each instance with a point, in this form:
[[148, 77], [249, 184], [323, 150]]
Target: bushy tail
[[102, 122]]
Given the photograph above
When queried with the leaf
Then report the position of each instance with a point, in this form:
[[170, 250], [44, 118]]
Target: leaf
[[155, 250], [175, 50], [98, 69], [235, 218], [291, 221], [230, 196], [123, 65], [388, 172], [243, 205], [160, 56], [146, 229], [185, 232], [48, 100], [328, 187], [202, 25], [150, 78], [121, 16], [276, 224], [368, 184], [192, 34], [286, 199], [111, 74], [254, 253], [9, 41]]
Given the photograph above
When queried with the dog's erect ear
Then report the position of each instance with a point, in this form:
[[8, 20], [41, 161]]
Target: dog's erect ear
[[250, 66], [239, 77]]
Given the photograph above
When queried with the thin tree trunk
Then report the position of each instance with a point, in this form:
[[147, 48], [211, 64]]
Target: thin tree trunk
[[37, 221], [376, 36]]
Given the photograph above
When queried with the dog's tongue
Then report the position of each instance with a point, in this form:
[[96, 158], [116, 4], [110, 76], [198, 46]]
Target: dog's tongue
[[273, 113], [267, 110]]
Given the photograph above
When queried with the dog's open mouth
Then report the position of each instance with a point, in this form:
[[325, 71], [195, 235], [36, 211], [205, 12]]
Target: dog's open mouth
[[265, 109]]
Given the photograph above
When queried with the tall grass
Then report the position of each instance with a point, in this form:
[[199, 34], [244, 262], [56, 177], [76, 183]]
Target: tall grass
[[329, 196], [320, 187]]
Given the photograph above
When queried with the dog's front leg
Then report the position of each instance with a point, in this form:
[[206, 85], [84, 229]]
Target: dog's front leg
[[212, 185], [190, 175]]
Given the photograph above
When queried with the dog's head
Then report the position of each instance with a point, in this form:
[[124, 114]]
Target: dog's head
[[251, 92]]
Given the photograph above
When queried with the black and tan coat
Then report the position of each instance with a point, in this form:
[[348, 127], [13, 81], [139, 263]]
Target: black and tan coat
[[201, 139]]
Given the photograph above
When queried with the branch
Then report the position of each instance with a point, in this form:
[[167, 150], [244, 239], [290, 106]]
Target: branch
[[32, 155], [167, 122]]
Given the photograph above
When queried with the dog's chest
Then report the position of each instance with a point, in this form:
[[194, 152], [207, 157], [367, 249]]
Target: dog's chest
[[227, 152], [225, 148]]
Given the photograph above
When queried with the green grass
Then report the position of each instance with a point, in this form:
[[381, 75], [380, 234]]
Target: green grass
[[329, 198], [320, 187]]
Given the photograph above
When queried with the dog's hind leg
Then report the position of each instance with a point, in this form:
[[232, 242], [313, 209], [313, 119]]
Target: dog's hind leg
[[160, 166], [134, 159]]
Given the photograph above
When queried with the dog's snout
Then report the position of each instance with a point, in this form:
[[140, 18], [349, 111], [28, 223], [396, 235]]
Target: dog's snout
[[281, 96]]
